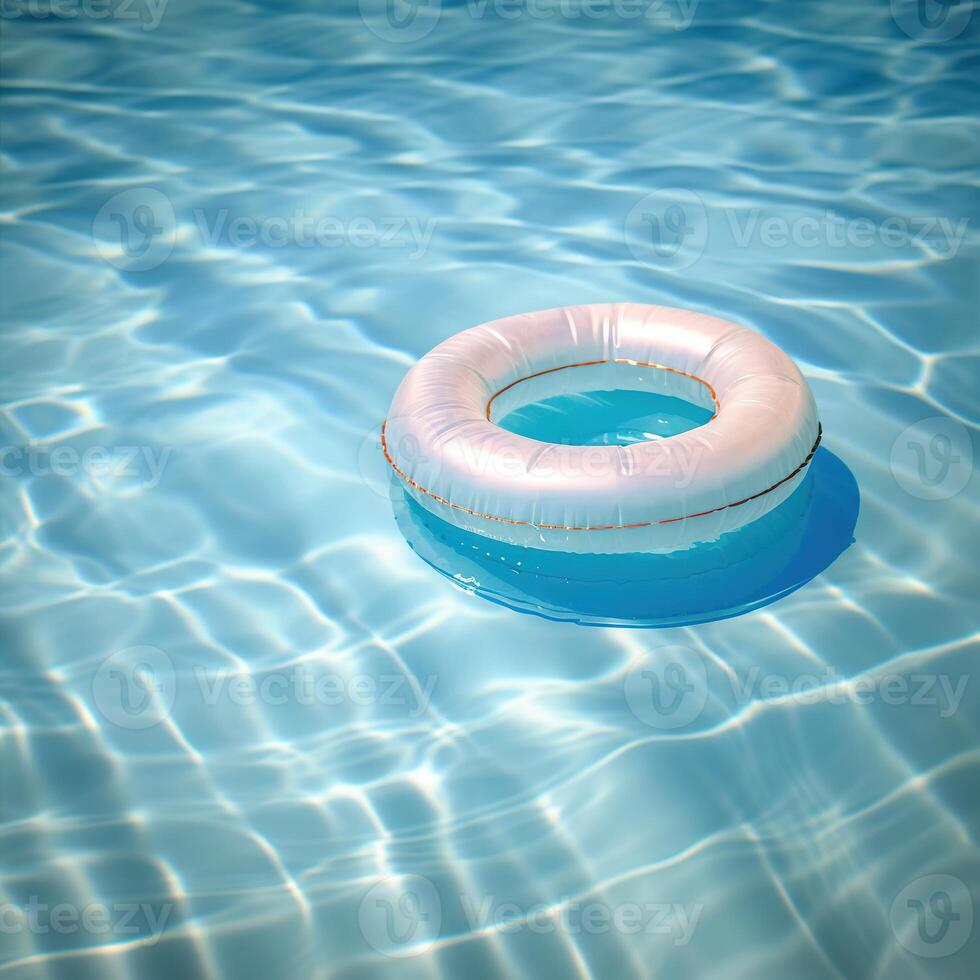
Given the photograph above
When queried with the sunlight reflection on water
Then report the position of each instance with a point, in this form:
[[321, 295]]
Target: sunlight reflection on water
[[232, 696]]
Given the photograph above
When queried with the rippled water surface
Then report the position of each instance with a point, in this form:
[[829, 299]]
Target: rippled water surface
[[245, 732]]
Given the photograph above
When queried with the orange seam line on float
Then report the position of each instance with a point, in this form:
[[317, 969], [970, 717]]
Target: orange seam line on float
[[761, 493], [591, 527], [609, 360]]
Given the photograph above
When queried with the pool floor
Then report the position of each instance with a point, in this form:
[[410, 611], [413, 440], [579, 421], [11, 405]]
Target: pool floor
[[245, 730]]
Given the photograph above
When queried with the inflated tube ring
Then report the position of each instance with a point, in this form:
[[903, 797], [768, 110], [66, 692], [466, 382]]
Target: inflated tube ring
[[665, 494]]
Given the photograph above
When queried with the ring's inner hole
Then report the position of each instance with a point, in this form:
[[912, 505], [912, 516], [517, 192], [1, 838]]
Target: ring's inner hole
[[603, 405]]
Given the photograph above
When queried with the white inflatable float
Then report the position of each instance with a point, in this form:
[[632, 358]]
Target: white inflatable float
[[442, 440]]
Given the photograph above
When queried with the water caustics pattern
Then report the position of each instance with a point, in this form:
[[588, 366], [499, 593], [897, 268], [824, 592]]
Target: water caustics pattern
[[252, 734]]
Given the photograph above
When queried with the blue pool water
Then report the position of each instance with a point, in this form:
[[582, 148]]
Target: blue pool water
[[605, 418], [245, 732]]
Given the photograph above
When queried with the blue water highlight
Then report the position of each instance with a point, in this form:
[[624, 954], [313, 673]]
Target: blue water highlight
[[245, 725]]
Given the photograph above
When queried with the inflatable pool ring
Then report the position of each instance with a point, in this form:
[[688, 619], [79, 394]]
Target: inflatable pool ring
[[442, 440]]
